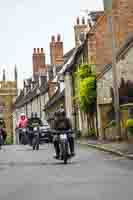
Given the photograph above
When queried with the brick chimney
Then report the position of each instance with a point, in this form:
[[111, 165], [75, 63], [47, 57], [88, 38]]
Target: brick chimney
[[38, 60], [80, 27], [56, 50]]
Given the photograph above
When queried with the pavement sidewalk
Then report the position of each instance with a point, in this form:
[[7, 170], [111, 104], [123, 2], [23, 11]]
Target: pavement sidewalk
[[124, 149]]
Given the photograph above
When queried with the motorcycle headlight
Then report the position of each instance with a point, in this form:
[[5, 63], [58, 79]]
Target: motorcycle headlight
[[35, 129]]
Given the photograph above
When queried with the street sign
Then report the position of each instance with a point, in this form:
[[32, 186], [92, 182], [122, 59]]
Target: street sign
[[107, 6]]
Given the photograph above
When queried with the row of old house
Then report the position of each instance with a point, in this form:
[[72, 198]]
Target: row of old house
[[53, 85]]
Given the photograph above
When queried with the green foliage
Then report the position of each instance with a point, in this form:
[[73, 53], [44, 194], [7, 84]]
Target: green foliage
[[129, 125], [87, 88], [111, 124], [8, 140], [92, 132], [85, 71], [78, 134]]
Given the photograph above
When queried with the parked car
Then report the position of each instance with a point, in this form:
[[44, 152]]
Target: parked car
[[45, 135]]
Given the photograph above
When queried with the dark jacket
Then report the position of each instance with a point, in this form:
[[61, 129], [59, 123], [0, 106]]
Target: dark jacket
[[32, 122], [64, 124]]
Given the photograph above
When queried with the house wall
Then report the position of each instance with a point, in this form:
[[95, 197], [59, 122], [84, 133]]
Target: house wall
[[69, 97], [104, 85], [125, 66], [125, 71], [29, 109], [123, 25]]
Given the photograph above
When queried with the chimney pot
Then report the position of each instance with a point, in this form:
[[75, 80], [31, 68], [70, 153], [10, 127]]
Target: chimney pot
[[58, 38], [53, 38], [83, 20], [78, 21], [34, 50], [38, 50], [42, 51]]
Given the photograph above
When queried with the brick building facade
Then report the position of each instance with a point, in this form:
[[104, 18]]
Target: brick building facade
[[123, 25]]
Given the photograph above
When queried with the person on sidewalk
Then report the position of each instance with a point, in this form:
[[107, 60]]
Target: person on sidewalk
[[3, 128], [61, 123]]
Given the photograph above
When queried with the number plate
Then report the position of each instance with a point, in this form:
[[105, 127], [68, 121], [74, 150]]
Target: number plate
[[63, 136]]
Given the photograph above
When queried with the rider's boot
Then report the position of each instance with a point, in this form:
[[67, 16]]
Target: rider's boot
[[71, 144]]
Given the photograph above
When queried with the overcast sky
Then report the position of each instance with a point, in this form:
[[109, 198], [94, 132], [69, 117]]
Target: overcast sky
[[25, 24]]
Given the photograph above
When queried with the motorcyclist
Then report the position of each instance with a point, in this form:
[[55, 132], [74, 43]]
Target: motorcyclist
[[22, 123], [3, 127], [62, 123], [33, 121]]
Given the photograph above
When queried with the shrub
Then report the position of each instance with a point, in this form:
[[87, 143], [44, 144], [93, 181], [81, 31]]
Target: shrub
[[112, 124], [8, 140], [129, 125], [92, 132], [86, 91], [78, 133]]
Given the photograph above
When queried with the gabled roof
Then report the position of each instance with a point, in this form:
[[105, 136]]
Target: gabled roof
[[21, 99], [68, 66], [56, 97], [68, 55]]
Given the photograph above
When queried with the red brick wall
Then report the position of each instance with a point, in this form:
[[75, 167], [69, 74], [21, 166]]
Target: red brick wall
[[56, 50], [103, 48], [123, 24], [38, 60]]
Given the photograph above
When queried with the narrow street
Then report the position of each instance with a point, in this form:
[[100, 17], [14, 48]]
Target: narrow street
[[93, 175]]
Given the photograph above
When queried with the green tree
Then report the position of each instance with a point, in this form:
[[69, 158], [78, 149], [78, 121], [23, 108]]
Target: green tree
[[86, 88]]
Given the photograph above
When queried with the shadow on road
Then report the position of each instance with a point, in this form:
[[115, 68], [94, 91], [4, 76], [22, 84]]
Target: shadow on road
[[33, 164]]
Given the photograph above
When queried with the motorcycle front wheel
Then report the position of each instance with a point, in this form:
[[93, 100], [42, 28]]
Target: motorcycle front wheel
[[35, 143], [64, 147]]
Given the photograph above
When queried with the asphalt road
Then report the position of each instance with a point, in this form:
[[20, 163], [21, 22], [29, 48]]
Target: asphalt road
[[91, 175]]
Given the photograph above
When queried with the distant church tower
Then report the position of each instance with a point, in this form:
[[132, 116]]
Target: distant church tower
[[16, 77], [8, 93], [4, 75]]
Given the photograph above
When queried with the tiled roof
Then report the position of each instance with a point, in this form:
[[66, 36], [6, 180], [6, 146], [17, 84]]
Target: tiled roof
[[73, 59], [56, 97], [68, 55], [21, 100]]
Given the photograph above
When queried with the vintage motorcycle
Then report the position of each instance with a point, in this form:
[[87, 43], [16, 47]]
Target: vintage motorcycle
[[23, 136], [63, 144], [36, 138]]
